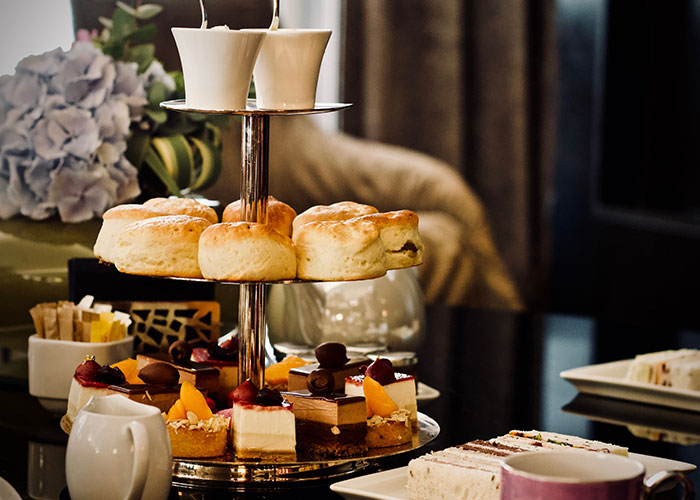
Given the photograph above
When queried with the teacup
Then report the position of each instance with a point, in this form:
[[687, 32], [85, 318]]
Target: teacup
[[217, 65], [286, 72], [565, 475], [118, 449]]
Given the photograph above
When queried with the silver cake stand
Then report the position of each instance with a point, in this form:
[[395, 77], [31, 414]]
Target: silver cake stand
[[226, 471]]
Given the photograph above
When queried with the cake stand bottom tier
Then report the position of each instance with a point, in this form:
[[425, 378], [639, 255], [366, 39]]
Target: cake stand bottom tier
[[227, 473]]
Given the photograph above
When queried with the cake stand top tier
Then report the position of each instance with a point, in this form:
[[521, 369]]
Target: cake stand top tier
[[251, 109]]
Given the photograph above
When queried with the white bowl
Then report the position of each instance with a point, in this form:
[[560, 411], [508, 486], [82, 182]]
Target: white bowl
[[53, 362]]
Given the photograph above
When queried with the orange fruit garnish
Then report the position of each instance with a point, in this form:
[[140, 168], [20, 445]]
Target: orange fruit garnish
[[130, 370], [177, 411], [279, 372], [194, 401], [378, 401]]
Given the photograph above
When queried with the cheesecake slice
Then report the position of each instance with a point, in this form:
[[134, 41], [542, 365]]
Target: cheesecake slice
[[402, 390]]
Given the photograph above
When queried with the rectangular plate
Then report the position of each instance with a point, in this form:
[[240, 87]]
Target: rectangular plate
[[391, 484], [608, 379]]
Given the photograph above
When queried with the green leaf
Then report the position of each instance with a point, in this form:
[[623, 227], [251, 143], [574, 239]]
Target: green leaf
[[179, 80], [177, 157], [153, 160], [126, 8], [136, 147], [159, 116], [148, 10], [143, 55], [106, 22], [143, 34], [123, 25], [211, 164], [157, 94]]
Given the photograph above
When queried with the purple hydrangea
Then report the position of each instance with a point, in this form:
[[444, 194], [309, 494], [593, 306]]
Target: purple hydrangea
[[65, 119]]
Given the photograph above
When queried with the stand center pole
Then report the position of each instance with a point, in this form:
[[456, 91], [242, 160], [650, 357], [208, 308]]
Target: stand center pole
[[251, 302]]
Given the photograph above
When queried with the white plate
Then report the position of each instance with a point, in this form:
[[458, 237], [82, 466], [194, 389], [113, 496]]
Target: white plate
[[391, 484], [425, 393], [608, 379]]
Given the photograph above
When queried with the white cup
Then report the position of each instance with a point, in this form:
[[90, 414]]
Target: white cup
[[286, 72], [118, 449], [217, 66]]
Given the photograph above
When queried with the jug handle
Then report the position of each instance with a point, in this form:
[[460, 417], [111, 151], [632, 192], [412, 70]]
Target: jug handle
[[140, 469], [652, 483]]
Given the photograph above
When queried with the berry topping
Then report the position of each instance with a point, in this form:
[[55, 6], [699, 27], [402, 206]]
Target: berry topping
[[211, 404], [381, 370], [320, 381], [87, 370], [269, 397], [159, 373], [331, 355], [110, 376], [227, 351], [246, 392], [180, 352]]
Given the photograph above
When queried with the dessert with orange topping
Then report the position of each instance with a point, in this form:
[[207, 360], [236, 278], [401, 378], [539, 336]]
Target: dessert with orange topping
[[194, 430]]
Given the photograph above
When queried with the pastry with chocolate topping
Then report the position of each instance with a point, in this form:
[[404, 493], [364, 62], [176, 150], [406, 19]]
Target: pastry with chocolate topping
[[223, 357], [329, 424], [333, 357], [202, 376]]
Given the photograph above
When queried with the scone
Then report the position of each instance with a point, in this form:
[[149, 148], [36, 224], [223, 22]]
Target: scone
[[113, 221], [342, 210], [183, 206], [246, 251], [339, 250], [399, 233], [161, 246], [279, 215]]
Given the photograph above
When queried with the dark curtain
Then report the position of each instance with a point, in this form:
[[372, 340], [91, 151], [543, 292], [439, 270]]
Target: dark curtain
[[472, 83]]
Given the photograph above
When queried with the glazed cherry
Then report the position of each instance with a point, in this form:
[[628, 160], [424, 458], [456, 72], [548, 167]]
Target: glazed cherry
[[269, 397], [110, 376], [246, 392], [381, 370], [87, 370]]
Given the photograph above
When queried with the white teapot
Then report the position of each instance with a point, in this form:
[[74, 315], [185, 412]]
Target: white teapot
[[118, 449]]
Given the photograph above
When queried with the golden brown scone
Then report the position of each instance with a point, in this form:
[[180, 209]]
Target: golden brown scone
[[339, 250], [246, 251], [279, 215], [161, 246], [113, 221], [183, 206], [399, 233], [342, 210]]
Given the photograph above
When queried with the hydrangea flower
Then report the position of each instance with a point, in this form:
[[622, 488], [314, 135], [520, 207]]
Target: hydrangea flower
[[65, 119]]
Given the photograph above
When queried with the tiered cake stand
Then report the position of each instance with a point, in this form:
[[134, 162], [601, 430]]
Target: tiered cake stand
[[227, 471]]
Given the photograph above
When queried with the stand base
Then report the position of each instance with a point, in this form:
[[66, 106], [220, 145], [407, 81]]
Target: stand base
[[241, 475]]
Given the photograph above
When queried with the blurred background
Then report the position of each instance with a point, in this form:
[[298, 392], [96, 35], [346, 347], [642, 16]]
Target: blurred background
[[574, 122]]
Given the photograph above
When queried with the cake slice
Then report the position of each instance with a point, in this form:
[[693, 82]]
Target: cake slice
[[194, 431], [472, 471], [400, 387], [655, 368], [263, 424]]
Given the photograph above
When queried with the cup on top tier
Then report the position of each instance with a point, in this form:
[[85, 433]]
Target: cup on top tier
[[217, 65], [286, 72]]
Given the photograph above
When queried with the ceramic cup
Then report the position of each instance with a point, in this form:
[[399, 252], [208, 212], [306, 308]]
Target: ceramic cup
[[563, 475], [286, 72], [118, 449], [217, 66], [53, 362]]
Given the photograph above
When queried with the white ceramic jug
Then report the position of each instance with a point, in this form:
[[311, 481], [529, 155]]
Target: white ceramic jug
[[118, 449]]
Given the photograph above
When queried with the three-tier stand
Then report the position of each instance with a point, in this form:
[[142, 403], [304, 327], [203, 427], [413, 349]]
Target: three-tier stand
[[227, 471]]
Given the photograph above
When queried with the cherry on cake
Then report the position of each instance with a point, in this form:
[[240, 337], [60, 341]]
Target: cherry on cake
[[328, 424], [263, 424]]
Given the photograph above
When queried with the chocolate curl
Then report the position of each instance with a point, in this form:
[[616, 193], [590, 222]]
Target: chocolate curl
[[64, 312], [38, 320]]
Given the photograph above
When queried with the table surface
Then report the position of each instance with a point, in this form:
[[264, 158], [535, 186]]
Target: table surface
[[495, 370]]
